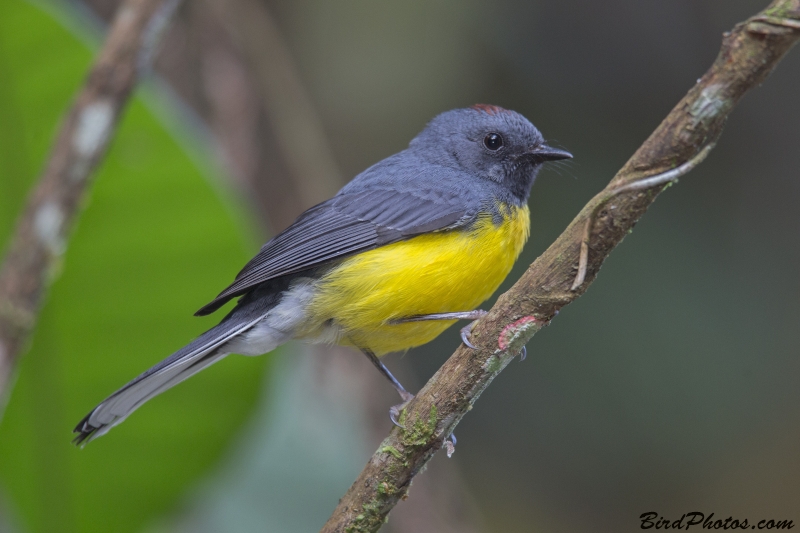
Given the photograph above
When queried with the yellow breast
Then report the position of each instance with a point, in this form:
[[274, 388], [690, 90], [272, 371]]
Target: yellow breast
[[438, 272]]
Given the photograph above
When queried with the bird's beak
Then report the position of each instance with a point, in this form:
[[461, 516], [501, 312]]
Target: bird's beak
[[547, 153]]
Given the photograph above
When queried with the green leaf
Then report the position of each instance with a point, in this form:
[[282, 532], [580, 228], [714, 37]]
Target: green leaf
[[154, 243]]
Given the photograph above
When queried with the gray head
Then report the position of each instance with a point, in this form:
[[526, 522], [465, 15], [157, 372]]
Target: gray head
[[490, 143]]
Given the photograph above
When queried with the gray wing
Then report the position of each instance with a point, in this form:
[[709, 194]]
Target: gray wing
[[349, 223]]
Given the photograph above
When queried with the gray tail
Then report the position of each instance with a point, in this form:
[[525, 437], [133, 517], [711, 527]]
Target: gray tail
[[207, 349]]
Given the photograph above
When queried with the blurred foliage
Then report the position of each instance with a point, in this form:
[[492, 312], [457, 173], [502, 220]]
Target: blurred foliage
[[154, 235]]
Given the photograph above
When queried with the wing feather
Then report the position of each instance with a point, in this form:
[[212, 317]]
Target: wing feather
[[344, 225]]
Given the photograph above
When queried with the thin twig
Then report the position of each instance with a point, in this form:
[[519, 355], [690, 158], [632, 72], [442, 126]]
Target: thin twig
[[788, 23], [748, 55], [42, 230], [663, 178]]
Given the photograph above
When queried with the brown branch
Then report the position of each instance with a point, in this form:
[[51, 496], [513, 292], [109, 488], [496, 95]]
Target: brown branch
[[670, 176], [566, 269], [43, 228]]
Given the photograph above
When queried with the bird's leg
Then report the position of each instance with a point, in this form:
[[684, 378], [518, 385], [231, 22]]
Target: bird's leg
[[459, 315], [474, 315], [394, 411]]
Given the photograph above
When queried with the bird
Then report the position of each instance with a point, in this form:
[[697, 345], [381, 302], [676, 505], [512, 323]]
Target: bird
[[408, 247]]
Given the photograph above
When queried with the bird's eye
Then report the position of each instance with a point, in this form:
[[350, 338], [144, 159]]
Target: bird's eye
[[493, 141]]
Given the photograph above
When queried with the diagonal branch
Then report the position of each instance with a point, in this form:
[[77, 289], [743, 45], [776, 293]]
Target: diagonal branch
[[567, 268], [43, 228]]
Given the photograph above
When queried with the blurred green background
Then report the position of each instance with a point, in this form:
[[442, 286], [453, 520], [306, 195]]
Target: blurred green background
[[671, 386]]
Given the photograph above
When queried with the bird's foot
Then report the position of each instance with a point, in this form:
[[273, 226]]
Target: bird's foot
[[396, 410], [449, 445], [465, 334], [459, 315]]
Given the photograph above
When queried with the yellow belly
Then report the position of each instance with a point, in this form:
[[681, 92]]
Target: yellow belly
[[434, 273]]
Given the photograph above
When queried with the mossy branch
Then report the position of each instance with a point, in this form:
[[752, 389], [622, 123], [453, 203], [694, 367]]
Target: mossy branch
[[566, 269]]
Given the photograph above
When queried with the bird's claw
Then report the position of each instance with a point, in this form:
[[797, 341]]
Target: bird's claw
[[465, 333], [450, 445], [396, 410]]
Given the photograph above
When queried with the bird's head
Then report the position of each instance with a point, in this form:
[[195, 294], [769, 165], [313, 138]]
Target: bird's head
[[488, 142]]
